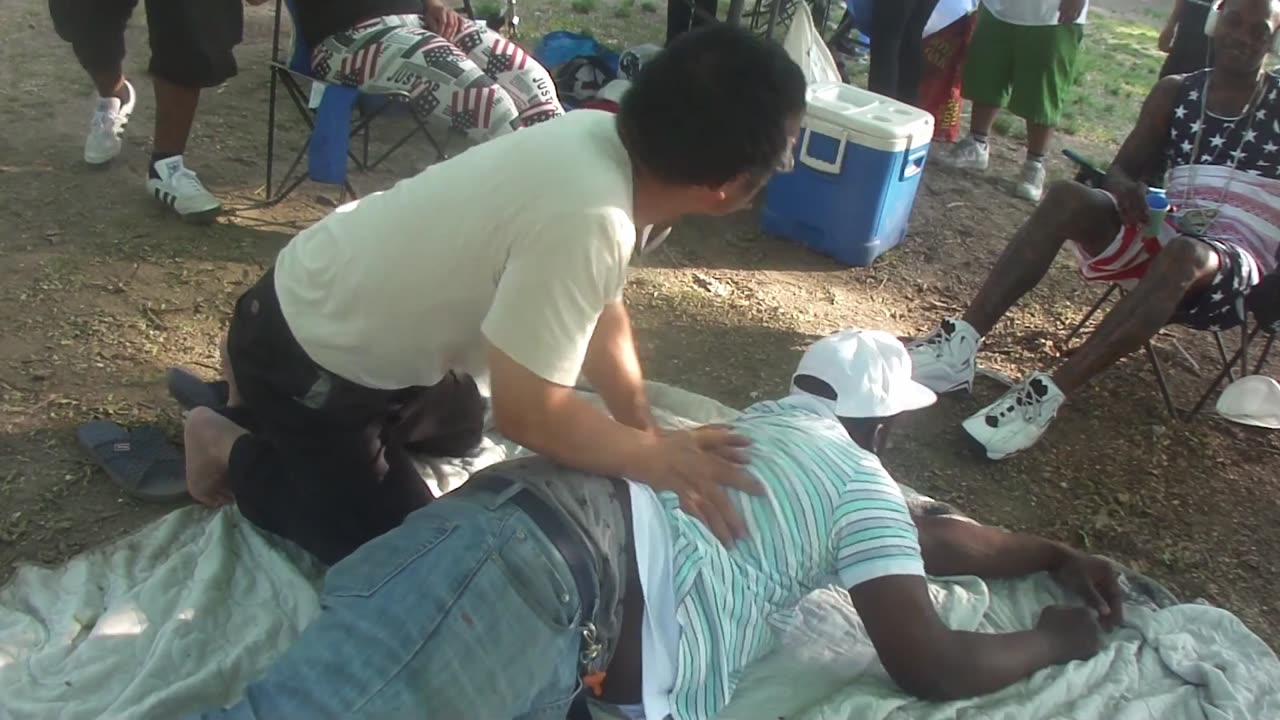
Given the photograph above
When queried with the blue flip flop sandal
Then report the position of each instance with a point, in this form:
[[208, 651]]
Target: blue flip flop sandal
[[192, 392], [142, 462]]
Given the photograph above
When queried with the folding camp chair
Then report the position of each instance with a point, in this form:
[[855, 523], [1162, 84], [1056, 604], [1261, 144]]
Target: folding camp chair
[[329, 123], [768, 16], [765, 16], [1091, 175]]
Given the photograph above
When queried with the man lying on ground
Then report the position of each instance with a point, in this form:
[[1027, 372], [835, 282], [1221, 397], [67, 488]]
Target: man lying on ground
[[483, 84], [508, 260], [1218, 130], [495, 600]]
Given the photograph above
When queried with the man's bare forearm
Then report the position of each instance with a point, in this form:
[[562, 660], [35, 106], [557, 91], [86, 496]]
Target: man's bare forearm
[[957, 547], [552, 420], [613, 367], [985, 663], [929, 660], [574, 433]]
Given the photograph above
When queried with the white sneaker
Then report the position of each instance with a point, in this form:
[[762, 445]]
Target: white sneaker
[[968, 154], [946, 359], [1017, 420], [106, 125], [180, 189], [1030, 184]]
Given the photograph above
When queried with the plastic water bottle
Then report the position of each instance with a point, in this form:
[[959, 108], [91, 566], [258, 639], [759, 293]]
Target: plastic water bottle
[[1157, 208]]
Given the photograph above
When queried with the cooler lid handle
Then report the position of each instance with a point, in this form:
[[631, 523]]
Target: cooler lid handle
[[819, 164]]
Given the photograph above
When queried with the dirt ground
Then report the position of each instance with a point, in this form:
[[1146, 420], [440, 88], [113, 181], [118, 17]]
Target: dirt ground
[[101, 290]]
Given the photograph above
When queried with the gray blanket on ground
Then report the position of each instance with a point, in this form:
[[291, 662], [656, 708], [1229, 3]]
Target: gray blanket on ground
[[182, 614]]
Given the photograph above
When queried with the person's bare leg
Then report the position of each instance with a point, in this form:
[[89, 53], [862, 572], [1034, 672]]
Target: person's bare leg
[[233, 392], [175, 113], [1183, 267], [982, 118], [208, 438], [1069, 211], [110, 83], [1038, 137]]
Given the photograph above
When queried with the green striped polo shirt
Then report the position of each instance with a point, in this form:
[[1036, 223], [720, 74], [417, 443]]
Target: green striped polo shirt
[[831, 514]]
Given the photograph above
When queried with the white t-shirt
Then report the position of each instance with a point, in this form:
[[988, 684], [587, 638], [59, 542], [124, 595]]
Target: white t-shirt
[[1030, 12], [522, 241], [947, 12]]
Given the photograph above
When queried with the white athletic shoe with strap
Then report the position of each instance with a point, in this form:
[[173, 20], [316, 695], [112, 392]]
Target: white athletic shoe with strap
[[181, 190], [968, 154], [946, 359], [1018, 419], [1030, 185], [106, 126]]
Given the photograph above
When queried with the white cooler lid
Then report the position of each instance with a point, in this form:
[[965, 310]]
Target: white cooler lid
[[879, 122]]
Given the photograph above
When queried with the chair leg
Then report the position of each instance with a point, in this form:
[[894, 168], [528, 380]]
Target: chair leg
[[1222, 354], [774, 7], [366, 145], [270, 131], [1266, 351], [1089, 314], [297, 160], [1226, 369], [1245, 337], [1195, 366], [287, 191], [1161, 380], [271, 98]]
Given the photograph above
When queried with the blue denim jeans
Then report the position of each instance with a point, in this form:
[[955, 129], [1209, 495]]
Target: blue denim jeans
[[464, 611]]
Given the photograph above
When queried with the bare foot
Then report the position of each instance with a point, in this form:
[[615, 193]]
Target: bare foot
[[208, 438]]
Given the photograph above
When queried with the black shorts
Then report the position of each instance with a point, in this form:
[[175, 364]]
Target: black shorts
[[191, 40], [1220, 306]]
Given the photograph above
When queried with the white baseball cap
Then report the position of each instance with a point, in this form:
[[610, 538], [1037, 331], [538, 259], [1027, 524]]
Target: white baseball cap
[[1252, 400], [870, 371]]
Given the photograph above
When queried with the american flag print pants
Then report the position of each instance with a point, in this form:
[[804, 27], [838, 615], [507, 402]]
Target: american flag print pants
[[482, 83]]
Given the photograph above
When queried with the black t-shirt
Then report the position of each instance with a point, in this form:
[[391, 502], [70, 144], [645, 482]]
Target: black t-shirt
[[318, 19]]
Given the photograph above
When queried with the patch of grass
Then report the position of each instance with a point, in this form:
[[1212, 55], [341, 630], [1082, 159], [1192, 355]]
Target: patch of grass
[[606, 25], [1004, 125], [624, 9], [648, 6], [583, 7], [487, 9], [1117, 67]]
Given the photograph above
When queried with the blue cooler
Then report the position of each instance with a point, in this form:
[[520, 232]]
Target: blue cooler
[[858, 165]]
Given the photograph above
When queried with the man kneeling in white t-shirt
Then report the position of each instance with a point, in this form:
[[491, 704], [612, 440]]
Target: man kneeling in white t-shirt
[[508, 260]]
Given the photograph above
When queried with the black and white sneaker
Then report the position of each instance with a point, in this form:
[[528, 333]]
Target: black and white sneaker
[[946, 359], [181, 190], [1017, 420]]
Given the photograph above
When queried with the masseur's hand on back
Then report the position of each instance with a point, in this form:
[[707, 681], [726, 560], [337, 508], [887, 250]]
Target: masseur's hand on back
[[698, 465]]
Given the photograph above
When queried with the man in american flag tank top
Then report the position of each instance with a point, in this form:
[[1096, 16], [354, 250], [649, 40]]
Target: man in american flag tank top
[[1219, 131]]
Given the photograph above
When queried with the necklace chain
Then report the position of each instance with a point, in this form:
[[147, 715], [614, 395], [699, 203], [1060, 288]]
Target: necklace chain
[[1250, 112]]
